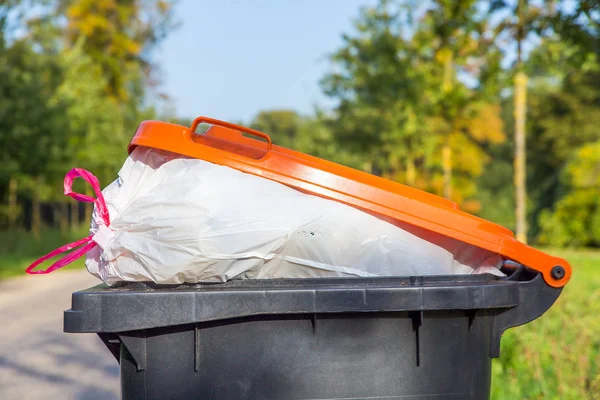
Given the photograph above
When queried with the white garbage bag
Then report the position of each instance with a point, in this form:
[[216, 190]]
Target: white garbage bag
[[175, 219]]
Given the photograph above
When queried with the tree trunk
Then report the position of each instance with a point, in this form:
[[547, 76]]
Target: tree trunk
[[63, 216], [36, 217], [447, 86], [447, 59], [520, 156], [411, 173], [74, 215], [12, 202], [89, 207], [447, 167]]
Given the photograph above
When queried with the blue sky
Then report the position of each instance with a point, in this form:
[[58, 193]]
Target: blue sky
[[231, 58]]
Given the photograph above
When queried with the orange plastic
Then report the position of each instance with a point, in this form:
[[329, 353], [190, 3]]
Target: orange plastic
[[224, 144]]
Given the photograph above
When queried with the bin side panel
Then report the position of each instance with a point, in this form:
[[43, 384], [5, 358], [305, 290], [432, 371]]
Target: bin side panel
[[399, 355]]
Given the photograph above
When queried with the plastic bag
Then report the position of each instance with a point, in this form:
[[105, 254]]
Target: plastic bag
[[175, 219]]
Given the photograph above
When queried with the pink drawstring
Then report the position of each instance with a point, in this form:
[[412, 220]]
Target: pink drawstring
[[87, 243]]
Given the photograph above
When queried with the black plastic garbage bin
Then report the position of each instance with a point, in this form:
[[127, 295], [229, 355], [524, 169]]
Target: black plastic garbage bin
[[375, 338]]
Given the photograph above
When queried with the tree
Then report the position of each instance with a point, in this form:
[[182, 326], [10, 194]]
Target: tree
[[308, 134], [561, 114], [73, 87], [118, 35], [449, 28], [575, 218], [282, 125], [32, 124], [400, 99], [563, 108], [96, 123], [461, 95], [520, 21], [564, 126], [10, 166], [378, 85]]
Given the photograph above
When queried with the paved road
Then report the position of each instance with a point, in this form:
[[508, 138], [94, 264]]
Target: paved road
[[38, 360]]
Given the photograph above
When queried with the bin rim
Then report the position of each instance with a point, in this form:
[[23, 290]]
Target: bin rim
[[135, 305], [224, 144]]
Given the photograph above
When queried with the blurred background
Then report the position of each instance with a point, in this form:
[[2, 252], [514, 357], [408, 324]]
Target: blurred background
[[493, 104]]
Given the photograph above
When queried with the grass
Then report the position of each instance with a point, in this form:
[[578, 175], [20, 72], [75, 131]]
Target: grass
[[554, 357], [18, 249]]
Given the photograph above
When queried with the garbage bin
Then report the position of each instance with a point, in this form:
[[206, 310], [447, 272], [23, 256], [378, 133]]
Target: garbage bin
[[339, 338], [421, 337]]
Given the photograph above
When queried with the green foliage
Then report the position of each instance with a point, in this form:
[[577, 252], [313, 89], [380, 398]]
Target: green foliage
[[73, 87], [575, 218], [563, 115], [95, 120], [412, 80], [380, 77], [400, 98], [495, 191], [116, 35], [18, 248], [308, 134], [282, 125], [30, 119]]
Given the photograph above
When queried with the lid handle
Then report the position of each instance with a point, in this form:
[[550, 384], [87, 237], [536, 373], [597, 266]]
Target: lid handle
[[229, 125]]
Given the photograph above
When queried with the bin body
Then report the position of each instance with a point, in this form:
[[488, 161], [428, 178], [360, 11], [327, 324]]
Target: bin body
[[341, 356], [388, 338]]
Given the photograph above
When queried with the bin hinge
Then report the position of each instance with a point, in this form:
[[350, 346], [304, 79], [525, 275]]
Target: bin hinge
[[535, 298]]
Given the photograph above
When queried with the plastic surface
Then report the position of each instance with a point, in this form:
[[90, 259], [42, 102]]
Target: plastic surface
[[176, 219], [224, 144], [393, 338]]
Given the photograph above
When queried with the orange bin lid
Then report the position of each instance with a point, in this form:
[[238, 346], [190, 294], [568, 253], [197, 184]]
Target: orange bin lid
[[229, 145]]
